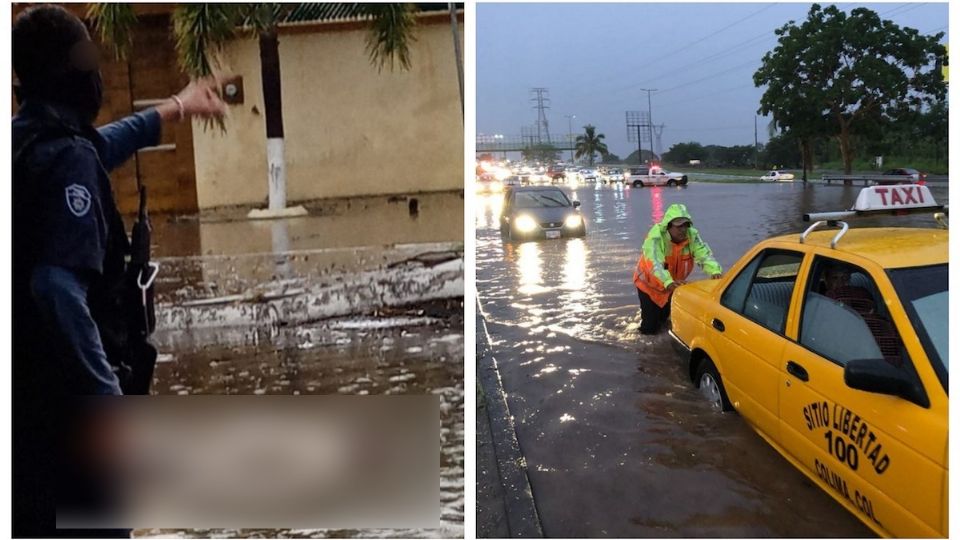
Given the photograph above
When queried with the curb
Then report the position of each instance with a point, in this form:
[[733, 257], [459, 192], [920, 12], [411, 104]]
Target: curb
[[523, 520], [302, 300]]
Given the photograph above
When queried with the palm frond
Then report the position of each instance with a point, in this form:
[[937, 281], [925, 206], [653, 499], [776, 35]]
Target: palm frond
[[264, 17], [113, 23], [199, 31], [391, 33]]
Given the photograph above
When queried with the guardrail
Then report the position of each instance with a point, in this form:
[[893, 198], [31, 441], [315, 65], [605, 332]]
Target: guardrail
[[865, 179]]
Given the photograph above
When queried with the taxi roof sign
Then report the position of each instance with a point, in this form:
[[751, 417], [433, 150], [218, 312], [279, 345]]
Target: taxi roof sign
[[897, 197]]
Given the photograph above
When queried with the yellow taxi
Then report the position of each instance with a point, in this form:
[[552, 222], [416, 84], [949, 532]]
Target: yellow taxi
[[832, 345]]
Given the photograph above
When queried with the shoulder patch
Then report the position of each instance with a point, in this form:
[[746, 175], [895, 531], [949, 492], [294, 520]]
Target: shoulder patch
[[78, 199]]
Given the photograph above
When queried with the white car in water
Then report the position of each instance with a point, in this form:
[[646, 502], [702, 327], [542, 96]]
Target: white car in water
[[777, 176]]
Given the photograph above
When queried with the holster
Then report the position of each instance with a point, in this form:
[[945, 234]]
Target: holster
[[129, 318]]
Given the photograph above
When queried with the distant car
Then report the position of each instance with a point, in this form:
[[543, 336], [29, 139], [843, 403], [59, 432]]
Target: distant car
[[540, 212], [588, 175], [556, 173], [512, 181], [777, 176], [911, 176], [613, 175]]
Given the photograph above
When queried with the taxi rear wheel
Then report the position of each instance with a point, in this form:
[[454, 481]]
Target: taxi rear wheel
[[711, 386]]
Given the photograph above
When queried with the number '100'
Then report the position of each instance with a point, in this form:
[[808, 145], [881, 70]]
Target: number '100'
[[845, 452]]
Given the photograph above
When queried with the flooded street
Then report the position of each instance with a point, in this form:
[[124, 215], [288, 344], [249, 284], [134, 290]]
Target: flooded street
[[416, 351], [361, 297], [617, 442]]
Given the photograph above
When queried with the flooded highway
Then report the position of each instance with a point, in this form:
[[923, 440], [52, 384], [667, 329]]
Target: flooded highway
[[617, 442]]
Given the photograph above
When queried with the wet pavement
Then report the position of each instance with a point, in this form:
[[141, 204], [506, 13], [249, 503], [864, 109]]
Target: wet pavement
[[363, 296], [616, 440]]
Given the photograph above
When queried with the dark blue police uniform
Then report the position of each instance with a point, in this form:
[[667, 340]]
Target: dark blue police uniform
[[69, 238], [69, 244]]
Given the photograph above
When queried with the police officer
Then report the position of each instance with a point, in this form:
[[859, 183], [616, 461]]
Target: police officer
[[69, 238]]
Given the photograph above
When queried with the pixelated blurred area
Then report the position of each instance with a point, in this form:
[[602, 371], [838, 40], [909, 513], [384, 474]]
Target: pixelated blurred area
[[414, 350], [331, 461]]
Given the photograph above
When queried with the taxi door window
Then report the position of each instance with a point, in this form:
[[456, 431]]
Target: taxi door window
[[844, 317], [762, 290]]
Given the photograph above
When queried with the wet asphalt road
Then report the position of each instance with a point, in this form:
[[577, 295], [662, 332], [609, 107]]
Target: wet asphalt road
[[617, 441]]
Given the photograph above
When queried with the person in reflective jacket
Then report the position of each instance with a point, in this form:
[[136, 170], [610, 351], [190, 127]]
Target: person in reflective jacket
[[69, 240], [669, 252]]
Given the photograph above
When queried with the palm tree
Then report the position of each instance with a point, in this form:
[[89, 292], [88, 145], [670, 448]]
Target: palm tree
[[201, 30], [590, 143]]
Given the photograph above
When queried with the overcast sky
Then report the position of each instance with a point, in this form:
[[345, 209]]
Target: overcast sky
[[595, 58]]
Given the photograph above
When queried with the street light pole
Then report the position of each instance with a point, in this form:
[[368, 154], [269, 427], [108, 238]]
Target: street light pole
[[570, 118]]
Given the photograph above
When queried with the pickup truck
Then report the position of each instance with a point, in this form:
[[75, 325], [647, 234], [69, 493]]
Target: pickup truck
[[644, 176]]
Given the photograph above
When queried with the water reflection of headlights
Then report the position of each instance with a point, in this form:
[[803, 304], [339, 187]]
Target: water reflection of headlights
[[525, 224], [573, 222]]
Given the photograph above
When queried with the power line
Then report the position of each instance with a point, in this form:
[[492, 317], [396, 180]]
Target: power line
[[712, 93], [750, 62], [726, 52], [684, 48], [909, 6], [704, 38]]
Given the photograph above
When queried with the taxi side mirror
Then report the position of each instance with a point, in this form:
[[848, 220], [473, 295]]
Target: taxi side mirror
[[879, 377], [576, 204]]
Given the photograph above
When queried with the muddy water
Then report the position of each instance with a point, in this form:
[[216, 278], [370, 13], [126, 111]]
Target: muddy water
[[416, 351], [341, 223], [616, 439]]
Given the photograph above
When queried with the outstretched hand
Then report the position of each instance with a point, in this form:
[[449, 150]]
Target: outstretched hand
[[199, 98]]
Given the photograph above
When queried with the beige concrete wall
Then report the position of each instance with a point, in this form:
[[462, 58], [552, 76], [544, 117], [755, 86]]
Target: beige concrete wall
[[349, 129]]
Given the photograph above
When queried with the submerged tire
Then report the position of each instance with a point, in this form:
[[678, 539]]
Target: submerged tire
[[637, 183], [711, 386], [671, 182]]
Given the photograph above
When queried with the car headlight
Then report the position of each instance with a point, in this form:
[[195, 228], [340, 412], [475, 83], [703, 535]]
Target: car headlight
[[573, 222], [525, 224]]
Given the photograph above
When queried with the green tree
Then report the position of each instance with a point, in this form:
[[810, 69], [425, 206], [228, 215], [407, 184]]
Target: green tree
[[682, 153], [201, 30], [644, 157], [590, 144], [833, 71], [781, 151], [543, 152], [610, 157]]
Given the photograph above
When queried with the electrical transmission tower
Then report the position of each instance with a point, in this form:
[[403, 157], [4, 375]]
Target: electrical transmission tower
[[658, 133], [542, 103]]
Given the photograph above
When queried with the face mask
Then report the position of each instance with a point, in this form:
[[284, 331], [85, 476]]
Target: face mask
[[83, 91], [78, 85]]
